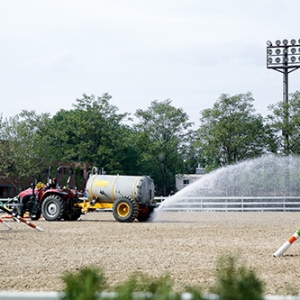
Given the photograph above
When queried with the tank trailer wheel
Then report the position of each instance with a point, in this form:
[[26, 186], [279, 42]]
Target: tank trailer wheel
[[53, 208], [125, 209]]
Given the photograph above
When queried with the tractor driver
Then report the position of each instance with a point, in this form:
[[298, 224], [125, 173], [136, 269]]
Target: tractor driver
[[53, 184]]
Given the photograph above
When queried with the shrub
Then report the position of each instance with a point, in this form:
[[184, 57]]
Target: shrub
[[84, 284], [146, 287], [232, 283], [236, 283]]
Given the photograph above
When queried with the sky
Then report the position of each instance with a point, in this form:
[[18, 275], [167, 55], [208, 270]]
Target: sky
[[188, 51]]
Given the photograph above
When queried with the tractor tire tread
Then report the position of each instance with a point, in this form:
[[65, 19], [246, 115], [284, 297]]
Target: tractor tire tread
[[60, 204], [133, 213]]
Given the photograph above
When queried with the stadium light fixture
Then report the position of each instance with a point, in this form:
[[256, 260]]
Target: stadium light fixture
[[284, 57]]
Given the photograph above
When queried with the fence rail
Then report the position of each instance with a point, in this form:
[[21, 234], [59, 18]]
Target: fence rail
[[288, 203], [9, 202]]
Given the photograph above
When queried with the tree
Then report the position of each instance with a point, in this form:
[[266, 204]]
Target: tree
[[231, 131], [22, 151], [90, 133], [285, 118], [164, 136]]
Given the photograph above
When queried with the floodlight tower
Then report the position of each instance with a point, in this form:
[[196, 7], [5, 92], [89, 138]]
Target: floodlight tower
[[284, 57]]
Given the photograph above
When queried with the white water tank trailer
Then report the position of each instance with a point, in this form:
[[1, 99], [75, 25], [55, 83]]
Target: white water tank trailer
[[130, 197]]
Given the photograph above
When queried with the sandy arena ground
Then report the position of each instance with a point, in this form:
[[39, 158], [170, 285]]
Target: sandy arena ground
[[185, 244]]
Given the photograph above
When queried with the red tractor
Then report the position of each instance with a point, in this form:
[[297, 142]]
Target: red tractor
[[51, 201]]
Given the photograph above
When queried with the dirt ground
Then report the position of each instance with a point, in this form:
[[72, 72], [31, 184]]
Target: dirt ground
[[184, 244]]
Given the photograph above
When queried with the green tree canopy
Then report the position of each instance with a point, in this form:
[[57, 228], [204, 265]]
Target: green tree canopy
[[90, 133], [285, 118], [164, 137], [22, 151], [231, 131]]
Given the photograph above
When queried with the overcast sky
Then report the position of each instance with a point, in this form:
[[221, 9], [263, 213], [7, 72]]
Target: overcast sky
[[189, 51]]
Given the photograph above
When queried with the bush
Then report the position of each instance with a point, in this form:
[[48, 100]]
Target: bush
[[232, 283], [84, 285], [236, 283]]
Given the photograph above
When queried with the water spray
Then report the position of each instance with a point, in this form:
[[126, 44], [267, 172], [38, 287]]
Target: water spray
[[287, 244]]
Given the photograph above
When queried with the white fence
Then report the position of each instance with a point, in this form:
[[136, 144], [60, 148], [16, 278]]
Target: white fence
[[288, 203], [9, 202]]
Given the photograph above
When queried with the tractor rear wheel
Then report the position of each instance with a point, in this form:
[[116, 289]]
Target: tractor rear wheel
[[53, 208], [125, 209]]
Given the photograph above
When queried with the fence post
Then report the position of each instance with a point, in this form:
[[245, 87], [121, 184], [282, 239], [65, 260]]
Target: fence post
[[242, 203]]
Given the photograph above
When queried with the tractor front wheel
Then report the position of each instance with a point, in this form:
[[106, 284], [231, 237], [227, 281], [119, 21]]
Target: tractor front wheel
[[53, 208], [17, 211], [125, 209], [35, 215], [35, 211]]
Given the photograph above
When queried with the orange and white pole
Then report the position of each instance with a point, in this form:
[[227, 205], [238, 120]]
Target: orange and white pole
[[19, 218], [1, 221], [287, 244]]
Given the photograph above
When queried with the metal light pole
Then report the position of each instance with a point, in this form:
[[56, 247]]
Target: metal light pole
[[284, 57]]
